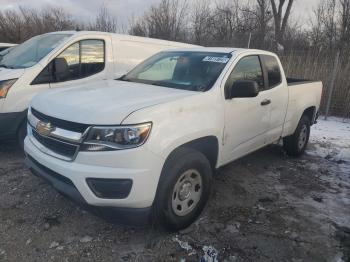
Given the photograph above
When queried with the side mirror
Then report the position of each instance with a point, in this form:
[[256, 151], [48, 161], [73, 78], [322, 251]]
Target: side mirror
[[242, 88], [60, 69]]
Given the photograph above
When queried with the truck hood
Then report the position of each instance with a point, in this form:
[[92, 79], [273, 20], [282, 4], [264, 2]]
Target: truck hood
[[7, 73], [105, 102]]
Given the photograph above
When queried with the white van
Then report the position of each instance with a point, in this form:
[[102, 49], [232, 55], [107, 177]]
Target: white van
[[64, 59]]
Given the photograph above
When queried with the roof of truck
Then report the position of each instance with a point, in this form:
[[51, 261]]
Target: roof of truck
[[224, 50]]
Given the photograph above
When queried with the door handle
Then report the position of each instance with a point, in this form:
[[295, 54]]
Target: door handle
[[265, 102]]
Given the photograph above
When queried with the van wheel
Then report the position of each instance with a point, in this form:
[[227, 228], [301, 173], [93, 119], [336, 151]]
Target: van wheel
[[183, 190], [22, 133], [295, 144]]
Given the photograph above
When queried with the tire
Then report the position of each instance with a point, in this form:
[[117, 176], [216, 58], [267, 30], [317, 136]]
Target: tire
[[296, 144], [183, 190], [22, 133]]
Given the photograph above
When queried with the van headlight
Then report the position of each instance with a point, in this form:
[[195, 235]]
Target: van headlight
[[107, 138], [5, 86]]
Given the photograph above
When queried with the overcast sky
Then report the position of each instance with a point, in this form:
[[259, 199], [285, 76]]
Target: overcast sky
[[124, 9]]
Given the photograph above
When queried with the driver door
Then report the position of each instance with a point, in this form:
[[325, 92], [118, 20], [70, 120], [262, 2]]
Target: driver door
[[246, 119], [84, 62]]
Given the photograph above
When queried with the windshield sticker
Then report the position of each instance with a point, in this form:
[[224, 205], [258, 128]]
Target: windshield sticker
[[216, 59]]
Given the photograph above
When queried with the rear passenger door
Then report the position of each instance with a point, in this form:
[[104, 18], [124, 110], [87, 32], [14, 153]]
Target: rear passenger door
[[277, 93]]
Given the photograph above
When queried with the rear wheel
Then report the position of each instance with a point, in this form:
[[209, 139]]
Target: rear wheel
[[296, 144], [183, 189]]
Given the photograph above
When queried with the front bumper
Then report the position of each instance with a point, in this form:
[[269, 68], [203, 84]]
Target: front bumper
[[10, 122], [134, 216], [138, 164]]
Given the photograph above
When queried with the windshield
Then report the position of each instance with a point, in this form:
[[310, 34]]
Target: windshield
[[31, 51], [187, 70]]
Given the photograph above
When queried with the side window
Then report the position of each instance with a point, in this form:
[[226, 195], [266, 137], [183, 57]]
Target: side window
[[81, 59], [248, 68], [71, 56], [92, 57], [273, 70]]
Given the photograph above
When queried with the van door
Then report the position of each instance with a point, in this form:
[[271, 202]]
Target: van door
[[83, 61], [246, 119]]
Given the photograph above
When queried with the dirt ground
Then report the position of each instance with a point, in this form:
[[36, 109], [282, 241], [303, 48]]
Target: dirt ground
[[264, 207]]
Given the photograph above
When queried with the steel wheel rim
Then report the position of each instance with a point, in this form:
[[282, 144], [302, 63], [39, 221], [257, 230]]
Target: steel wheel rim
[[187, 192], [302, 137]]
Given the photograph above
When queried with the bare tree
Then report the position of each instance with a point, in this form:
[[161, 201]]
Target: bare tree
[[344, 23], [280, 19], [263, 16], [260, 16], [166, 20], [104, 22], [17, 26], [202, 22]]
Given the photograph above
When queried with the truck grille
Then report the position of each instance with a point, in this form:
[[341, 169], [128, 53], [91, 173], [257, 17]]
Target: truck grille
[[71, 126], [67, 150]]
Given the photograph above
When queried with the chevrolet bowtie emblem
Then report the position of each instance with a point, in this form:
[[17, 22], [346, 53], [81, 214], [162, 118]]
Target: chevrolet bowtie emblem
[[44, 129]]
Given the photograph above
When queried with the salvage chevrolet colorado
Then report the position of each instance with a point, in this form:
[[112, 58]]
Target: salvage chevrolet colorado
[[146, 145]]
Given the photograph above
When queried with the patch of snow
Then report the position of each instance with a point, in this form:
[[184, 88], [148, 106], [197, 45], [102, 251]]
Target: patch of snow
[[334, 130], [184, 245], [210, 254], [54, 244], [86, 239], [331, 140]]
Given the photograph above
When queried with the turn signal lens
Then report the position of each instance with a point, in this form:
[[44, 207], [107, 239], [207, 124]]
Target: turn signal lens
[[5, 87]]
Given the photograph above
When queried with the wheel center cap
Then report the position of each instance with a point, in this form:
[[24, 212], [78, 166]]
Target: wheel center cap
[[185, 191]]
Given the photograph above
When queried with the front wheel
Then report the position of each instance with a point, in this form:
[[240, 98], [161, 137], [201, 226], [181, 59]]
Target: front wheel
[[183, 189], [296, 144]]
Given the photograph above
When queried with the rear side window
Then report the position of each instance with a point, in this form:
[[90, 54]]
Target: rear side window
[[248, 68], [273, 71]]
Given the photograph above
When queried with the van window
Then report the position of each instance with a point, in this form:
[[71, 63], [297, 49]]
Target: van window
[[92, 57], [82, 59], [248, 68], [71, 56], [273, 70]]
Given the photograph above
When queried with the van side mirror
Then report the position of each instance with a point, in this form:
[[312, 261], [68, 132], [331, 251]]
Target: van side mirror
[[60, 69], [242, 88]]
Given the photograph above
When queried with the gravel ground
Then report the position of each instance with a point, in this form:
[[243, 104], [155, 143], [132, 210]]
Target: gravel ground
[[264, 207]]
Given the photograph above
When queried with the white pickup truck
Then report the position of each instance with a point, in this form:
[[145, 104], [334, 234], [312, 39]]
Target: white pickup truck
[[146, 145]]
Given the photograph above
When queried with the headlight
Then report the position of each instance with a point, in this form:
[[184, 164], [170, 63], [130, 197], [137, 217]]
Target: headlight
[[106, 138], [5, 87]]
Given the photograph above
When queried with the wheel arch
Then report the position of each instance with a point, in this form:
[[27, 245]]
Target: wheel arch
[[207, 145], [310, 112]]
